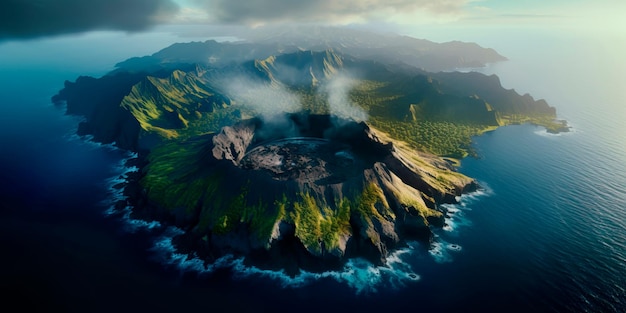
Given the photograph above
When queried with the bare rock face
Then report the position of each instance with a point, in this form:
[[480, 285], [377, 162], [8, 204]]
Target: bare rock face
[[312, 189], [231, 143]]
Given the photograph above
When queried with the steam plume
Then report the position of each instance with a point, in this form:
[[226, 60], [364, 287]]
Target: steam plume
[[264, 100], [337, 89]]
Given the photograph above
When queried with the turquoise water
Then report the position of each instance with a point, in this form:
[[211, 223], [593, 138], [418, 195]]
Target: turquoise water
[[547, 232]]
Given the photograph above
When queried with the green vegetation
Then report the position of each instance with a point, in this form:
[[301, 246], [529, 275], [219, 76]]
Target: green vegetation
[[227, 217], [441, 138], [175, 180], [173, 113], [174, 184], [183, 107], [547, 121], [180, 106], [211, 122], [317, 224], [413, 110], [307, 218], [370, 204]]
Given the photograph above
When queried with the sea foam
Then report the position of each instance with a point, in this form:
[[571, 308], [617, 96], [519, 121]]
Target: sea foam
[[360, 275], [441, 250]]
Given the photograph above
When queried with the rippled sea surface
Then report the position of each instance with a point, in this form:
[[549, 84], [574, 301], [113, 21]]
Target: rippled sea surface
[[547, 233]]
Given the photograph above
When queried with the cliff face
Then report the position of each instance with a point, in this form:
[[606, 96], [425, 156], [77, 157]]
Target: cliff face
[[98, 101], [489, 88], [332, 188], [137, 111]]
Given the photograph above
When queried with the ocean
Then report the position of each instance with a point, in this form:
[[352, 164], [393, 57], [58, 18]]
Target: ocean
[[546, 233]]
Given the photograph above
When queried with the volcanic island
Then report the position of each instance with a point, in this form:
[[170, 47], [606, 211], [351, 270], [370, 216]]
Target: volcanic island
[[295, 157]]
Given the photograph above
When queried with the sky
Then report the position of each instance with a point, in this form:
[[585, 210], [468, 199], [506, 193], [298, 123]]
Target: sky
[[28, 19]]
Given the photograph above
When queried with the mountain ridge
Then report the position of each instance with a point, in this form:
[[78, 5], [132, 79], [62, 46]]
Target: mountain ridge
[[264, 42]]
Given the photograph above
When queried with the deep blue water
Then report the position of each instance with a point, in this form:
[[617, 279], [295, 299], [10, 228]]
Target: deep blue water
[[547, 233]]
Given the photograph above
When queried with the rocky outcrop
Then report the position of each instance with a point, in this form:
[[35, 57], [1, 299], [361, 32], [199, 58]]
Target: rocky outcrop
[[98, 101]]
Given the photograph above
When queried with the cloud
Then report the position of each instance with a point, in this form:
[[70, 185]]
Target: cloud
[[38, 18], [259, 12]]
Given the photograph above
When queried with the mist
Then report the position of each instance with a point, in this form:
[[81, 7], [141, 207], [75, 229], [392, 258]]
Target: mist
[[337, 91], [264, 100]]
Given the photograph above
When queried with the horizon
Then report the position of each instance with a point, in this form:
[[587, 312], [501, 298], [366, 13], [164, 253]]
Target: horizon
[[544, 230], [33, 19], [144, 27], [580, 34]]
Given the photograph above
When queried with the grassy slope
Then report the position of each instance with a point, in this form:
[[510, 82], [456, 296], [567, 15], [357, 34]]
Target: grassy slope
[[182, 104], [424, 133], [175, 179]]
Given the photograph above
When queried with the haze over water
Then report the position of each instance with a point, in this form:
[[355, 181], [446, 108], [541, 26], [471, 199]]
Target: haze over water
[[563, 196], [549, 235]]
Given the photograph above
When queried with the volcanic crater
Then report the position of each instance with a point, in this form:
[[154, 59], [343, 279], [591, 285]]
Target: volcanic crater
[[311, 149], [304, 191]]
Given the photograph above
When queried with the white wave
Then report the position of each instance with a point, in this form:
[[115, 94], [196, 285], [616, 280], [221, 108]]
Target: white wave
[[452, 210], [165, 252], [115, 188], [441, 251], [455, 219], [484, 190], [119, 177], [133, 225], [455, 216], [438, 252], [360, 275], [88, 140], [453, 247]]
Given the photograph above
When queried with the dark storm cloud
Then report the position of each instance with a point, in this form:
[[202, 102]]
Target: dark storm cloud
[[265, 11], [36, 18]]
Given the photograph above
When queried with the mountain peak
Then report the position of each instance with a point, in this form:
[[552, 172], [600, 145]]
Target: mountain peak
[[303, 67]]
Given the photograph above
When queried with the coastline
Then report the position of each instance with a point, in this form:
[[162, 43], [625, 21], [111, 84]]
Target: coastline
[[359, 275], [141, 207]]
